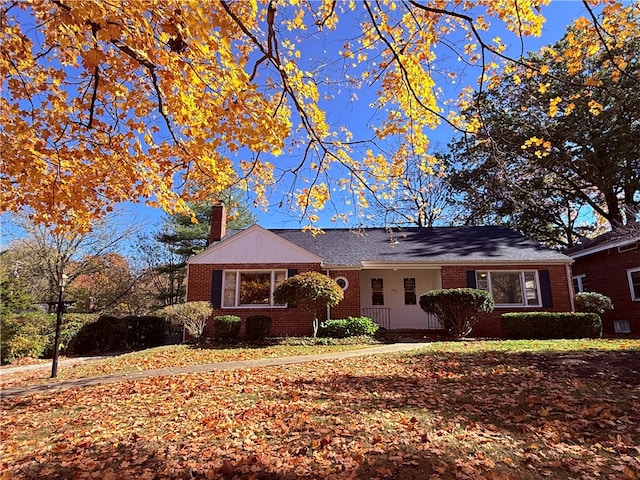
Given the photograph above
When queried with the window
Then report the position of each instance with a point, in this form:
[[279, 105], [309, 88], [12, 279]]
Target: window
[[580, 283], [377, 291], [511, 287], [634, 283], [342, 282], [409, 291], [251, 288]]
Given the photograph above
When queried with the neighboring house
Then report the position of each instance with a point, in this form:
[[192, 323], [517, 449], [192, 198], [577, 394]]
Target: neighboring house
[[382, 271], [610, 264]]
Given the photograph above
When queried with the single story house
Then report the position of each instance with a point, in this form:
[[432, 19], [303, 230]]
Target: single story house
[[382, 271], [610, 264]]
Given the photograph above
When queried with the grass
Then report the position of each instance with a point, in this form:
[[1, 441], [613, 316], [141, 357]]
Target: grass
[[178, 356], [453, 410]]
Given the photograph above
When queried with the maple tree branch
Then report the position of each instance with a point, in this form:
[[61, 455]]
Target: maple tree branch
[[599, 30], [403, 69]]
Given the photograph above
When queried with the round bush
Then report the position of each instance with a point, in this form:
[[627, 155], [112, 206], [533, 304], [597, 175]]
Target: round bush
[[592, 302], [457, 309]]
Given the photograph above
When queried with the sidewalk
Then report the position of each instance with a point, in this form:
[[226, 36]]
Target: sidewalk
[[173, 371]]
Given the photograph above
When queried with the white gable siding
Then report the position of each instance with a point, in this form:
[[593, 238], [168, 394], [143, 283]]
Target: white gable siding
[[255, 245]]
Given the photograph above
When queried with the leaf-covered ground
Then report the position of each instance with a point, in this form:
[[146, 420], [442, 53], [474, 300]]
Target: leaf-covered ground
[[461, 410], [164, 357]]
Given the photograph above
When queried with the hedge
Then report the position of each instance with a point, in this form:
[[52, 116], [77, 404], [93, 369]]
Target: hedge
[[349, 327], [257, 327], [545, 325], [109, 334], [226, 327]]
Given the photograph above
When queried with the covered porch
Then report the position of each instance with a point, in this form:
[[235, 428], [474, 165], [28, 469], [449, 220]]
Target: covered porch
[[390, 296]]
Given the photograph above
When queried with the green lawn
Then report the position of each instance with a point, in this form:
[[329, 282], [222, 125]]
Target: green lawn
[[454, 410]]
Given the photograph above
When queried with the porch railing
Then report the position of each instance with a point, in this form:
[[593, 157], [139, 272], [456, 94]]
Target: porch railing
[[382, 316], [432, 322], [379, 315]]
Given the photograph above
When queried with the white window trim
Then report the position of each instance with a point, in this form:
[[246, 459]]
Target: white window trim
[[237, 289], [630, 280], [580, 280], [346, 282], [522, 286]]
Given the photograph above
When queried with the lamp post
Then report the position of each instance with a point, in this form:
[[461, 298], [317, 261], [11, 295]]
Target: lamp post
[[56, 344]]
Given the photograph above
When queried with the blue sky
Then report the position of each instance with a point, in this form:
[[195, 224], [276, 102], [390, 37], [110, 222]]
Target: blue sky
[[558, 15]]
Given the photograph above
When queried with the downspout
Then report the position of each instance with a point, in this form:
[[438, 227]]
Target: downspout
[[570, 285]]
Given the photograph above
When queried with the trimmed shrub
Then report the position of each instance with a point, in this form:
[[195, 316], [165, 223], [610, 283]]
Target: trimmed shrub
[[349, 327], [545, 325], [109, 334], [192, 315], [457, 309], [592, 302], [257, 327], [313, 291], [226, 327]]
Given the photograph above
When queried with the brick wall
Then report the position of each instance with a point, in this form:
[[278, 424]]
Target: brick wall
[[285, 321], [489, 325], [350, 304], [606, 273]]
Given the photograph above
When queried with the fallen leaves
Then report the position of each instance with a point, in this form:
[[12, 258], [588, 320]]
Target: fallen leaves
[[389, 416]]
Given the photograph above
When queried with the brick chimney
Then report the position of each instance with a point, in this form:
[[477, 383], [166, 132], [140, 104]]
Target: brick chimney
[[218, 223]]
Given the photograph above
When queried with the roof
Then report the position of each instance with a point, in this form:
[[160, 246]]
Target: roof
[[626, 235], [436, 245]]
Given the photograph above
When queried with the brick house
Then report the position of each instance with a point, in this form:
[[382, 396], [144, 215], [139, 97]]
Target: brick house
[[382, 271], [610, 264]]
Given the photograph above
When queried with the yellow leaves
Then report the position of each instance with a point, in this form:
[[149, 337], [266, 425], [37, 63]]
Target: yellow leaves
[[595, 108], [542, 87], [553, 106], [537, 142]]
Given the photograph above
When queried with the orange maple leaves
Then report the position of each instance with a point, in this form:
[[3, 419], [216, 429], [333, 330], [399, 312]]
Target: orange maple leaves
[[107, 102]]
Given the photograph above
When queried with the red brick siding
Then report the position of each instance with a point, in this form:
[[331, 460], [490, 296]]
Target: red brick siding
[[606, 273], [350, 304], [285, 321], [489, 324]]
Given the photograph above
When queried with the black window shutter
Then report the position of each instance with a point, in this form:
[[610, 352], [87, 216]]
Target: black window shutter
[[545, 288], [290, 273], [216, 288], [471, 279]]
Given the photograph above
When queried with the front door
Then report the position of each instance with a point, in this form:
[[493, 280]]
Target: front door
[[391, 297]]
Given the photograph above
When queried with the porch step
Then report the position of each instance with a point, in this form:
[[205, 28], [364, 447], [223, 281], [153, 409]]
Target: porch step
[[407, 335]]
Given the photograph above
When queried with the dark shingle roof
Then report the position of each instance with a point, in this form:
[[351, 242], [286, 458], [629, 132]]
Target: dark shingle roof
[[428, 245], [628, 233]]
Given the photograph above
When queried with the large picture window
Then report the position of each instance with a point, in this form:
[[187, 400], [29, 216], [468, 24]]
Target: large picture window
[[511, 287], [251, 288]]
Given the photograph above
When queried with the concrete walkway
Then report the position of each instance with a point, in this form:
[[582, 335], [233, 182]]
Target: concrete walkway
[[211, 367]]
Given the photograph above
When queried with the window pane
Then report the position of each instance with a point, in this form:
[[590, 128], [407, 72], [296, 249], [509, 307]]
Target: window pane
[[481, 281], [531, 287], [635, 284], [506, 288], [229, 289], [279, 277], [410, 291], [255, 288], [377, 287]]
